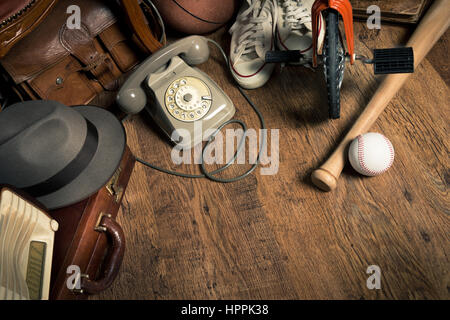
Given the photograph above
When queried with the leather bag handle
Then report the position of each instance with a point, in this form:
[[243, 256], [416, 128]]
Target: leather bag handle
[[114, 261], [136, 20]]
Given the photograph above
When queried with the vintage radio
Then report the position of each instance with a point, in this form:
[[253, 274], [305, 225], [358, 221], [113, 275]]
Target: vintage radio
[[26, 247]]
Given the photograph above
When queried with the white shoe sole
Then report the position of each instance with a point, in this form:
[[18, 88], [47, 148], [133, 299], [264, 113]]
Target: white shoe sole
[[255, 80]]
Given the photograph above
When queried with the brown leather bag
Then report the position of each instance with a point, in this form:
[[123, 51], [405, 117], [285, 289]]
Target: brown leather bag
[[72, 66]]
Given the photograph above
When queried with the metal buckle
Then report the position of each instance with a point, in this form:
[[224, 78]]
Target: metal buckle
[[113, 188], [98, 227]]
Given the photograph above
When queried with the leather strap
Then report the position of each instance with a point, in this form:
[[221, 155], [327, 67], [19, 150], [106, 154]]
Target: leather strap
[[80, 44], [138, 24]]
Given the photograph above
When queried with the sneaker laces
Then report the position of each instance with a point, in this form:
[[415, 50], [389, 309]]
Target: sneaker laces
[[296, 14], [250, 24]]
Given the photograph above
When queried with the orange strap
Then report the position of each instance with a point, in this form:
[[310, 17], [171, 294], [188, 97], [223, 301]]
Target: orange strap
[[138, 24]]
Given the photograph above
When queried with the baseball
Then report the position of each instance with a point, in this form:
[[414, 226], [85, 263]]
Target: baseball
[[371, 154]]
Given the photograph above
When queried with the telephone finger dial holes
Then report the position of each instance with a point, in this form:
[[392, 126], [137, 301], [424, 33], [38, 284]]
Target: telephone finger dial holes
[[188, 99]]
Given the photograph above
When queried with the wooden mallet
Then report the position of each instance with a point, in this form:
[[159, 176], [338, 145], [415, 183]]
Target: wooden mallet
[[430, 29]]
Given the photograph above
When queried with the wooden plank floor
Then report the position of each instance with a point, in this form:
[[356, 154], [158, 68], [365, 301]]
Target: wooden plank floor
[[277, 236]]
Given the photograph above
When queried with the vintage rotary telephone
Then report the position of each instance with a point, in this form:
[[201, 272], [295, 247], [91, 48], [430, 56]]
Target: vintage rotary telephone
[[179, 97], [176, 95]]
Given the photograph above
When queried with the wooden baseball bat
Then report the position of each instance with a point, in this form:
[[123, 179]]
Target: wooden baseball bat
[[430, 29]]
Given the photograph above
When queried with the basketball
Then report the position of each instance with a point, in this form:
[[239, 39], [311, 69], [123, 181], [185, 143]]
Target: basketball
[[196, 16]]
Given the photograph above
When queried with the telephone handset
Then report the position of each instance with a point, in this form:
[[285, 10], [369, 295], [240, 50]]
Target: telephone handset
[[176, 95]]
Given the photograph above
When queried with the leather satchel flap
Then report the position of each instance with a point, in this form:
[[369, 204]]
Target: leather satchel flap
[[52, 41], [80, 44]]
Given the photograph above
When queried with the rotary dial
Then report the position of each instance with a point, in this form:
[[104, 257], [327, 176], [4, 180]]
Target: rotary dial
[[188, 99]]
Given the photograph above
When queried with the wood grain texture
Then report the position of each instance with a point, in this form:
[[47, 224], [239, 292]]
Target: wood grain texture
[[278, 237]]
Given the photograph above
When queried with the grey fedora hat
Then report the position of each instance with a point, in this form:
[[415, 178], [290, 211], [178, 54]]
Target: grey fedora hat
[[57, 154]]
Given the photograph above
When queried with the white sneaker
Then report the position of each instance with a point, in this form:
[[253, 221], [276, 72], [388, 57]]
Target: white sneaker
[[294, 27], [252, 36]]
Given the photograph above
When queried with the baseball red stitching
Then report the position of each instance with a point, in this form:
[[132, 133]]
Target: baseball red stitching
[[391, 150], [361, 156]]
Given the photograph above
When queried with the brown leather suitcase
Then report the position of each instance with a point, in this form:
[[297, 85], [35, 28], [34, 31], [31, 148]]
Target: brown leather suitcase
[[90, 239]]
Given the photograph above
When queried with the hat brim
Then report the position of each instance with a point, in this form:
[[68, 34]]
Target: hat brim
[[105, 162]]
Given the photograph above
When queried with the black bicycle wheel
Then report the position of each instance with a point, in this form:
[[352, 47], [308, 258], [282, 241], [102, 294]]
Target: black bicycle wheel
[[334, 59]]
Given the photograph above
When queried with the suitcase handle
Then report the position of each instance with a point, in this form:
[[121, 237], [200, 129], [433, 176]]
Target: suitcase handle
[[114, 261]]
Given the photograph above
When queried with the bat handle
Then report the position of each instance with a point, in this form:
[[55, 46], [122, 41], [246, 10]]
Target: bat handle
[[327, 175], [324, 179]]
